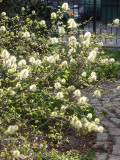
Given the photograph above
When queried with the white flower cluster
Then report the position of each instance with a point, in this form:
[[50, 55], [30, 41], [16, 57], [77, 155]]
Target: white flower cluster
[[61, 30], [33, 88], [65, 6], [92, 56], [72, 24], [10, 91], [24, 74], [107, 61], [60, 95], [93, 77], [26, 34], [54, 40], [57, 85], [3, 28], [116, 21], [53, 15], [97, 93], [16, 154], [11, 129], [76, 122], [85, 39]]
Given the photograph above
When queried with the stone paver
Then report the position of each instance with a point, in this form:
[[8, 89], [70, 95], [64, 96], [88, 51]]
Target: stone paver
[[114, 158], [101, 156], [117, 140], [116, 150], [102, 137]]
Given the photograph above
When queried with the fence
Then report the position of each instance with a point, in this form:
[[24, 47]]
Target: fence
[[102, 13]]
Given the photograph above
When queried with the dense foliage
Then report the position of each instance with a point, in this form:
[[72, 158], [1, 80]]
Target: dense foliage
[[43, 85]]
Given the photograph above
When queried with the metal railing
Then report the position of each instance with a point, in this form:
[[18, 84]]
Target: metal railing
[[102, 13]]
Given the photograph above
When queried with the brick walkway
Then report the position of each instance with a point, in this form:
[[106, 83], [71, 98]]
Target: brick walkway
[[108, 110]]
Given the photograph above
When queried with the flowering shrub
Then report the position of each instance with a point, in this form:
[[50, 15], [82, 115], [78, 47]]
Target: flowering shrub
[[39, 76]]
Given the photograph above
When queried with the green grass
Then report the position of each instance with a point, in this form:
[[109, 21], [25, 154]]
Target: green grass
[[112, 53]]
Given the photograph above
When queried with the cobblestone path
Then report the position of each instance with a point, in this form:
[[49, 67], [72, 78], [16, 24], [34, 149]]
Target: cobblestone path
[[108, 110]]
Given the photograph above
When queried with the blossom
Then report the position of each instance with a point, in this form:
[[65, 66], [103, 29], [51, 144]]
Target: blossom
[[96, 120], [72, 60], [13, 59], [63, 108], [24, 74], [54, 40], [111, 60], [97, 93], [11, 129], [76, 123], [92, 56], [3, 14], [104, 61], [16, 154], [63, 80], [53, 114], [7, 63], [32, 60], [116, 21], [89, 115], [64, 63], [33, 12], [84, 74], [2, 28], [18, 85], [57, 57], [77, 93], [5, 54], [65, 6], [22, 63], [10, 91], [72, 38], [87, 35], [118, 88], [61, 30], [26, 34], [71, 88], [82, 100], [51, 59], [42, 23], [60, 95], [73, 24], [57, 85], [53, 15], [38, 62], [33, 87], [100, 129]]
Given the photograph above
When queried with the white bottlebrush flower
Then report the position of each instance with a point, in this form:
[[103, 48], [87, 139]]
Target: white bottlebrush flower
[[3, 14], [5, 54], [7, 63], [53, 114], [97, 93], [24, 74], [54, 40], [57, 85], [71, 88], [71, 50], [118, 88], [73, 24], [77, 93], [93, 74], [100, 129], [92, 126], [89, 115], [97, 120], [72, 39], [60, 95], [65, 6], [11, 129], [82, 100], [61, 30], [53, 15], [104, 61], [74, 120], [84, 74], [72, 61], [70, 20], [13, 59], [87, 35], [16, 154], [51, 59], [10, 91], [86, 43], [26, 34], [32, 60], [38, 62], [111, 60], [57, 57], [33, 88], [42, 23], [93, 78], [64, 64], [18, 85], [63, 81], [2, 28], [116, 21], [63, 108], [92, 56], [78, 124], [22, 63]]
